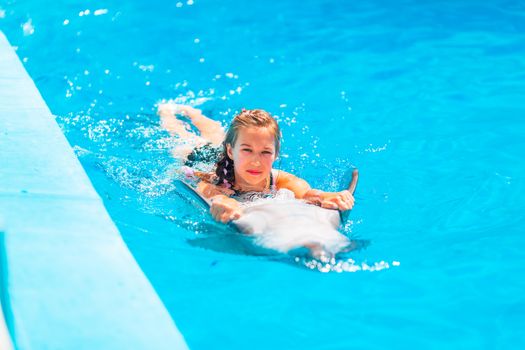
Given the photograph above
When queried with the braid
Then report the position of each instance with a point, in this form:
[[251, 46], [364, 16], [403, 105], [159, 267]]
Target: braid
[[225, 171]]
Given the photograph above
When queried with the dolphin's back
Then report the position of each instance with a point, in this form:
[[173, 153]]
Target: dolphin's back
[[291, 224]]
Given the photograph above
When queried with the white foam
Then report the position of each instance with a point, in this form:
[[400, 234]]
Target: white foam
[[28, 27], [100, 12]]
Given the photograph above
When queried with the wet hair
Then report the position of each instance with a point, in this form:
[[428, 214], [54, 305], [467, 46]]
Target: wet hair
[[245, 119]]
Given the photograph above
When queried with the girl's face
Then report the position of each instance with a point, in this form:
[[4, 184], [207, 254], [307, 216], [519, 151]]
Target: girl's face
[[253, 155]]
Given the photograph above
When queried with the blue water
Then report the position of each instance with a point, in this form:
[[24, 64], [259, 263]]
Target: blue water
[[425, 98]]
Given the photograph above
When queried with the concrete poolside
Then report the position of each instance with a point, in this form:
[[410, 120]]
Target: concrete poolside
[[68, 280]]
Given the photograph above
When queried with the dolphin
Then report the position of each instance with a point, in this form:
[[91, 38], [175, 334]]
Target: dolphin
[[289, 224]]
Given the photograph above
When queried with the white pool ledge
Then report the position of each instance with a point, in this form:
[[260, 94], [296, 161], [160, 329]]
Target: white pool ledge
[[68, 279]]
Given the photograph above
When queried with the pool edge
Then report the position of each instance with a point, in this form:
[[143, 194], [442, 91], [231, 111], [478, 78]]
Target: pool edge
[[55, 254]]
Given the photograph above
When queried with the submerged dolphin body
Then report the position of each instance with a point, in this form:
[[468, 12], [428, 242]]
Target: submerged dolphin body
[[286, 224]]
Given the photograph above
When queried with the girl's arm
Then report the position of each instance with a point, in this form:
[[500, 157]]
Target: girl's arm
[[210, 190], [332, 200], [223, 208]]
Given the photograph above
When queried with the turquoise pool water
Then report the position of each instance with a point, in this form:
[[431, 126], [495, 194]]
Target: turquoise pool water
[[426, 99]]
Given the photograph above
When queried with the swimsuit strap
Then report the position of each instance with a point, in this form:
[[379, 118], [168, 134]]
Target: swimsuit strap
[[274, 173]]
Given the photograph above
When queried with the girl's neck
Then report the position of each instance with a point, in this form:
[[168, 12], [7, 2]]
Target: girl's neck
[[242, 186]]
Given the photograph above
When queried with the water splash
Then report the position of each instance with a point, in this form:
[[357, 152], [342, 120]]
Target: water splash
[[344, 265], [28, 28]]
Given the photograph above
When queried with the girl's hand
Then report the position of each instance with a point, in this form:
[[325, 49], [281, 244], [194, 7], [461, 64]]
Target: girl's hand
[[225, 209], [337, 200], [331, 200]]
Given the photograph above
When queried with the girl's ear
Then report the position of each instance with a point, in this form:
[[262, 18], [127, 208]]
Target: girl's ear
[[229, 150]]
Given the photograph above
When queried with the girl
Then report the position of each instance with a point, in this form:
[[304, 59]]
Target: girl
[[244, 157]]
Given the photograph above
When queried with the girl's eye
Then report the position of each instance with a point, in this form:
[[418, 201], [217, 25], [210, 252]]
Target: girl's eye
[[267, 153], [246, 150]]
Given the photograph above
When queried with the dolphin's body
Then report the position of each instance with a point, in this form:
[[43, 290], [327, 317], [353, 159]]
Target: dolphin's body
[[285, 224]]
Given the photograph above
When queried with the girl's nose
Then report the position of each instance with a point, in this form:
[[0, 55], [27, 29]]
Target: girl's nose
[[256, 160]]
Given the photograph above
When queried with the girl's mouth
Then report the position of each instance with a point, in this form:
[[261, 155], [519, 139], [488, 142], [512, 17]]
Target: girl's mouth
[[254, 172]]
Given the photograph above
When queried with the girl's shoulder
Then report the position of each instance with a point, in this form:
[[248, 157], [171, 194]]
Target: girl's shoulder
[[291, 182], [281, 177]]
